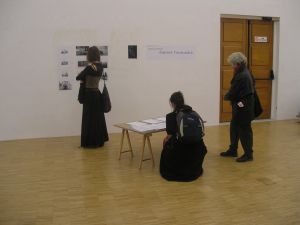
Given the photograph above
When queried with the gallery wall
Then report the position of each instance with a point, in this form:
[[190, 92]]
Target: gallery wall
[[31, 32]]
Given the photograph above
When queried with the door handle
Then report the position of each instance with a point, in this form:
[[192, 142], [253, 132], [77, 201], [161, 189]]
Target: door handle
[[272, 77], [263, 79]]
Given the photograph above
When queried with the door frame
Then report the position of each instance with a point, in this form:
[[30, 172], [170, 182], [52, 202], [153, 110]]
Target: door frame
[[276, 41]]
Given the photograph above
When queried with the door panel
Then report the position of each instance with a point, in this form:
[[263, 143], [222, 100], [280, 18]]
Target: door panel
[[260, 56], [265, 98], [234, 38], [233, 25], [260, 61], [261, 29], [227, 76], [261, 73], [226, 106], [227, 50]]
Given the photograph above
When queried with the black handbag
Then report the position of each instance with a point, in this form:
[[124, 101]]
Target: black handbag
[[106, 99], [81, 93], [257, 106]]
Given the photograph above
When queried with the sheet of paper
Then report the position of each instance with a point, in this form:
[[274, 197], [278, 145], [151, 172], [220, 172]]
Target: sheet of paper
[[137, 123], [162, 119], [143, 127], [152, 121], [159, 126], [140, 126]]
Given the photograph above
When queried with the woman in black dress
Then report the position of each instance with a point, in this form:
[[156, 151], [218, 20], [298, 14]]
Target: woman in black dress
[[180, 161], [93, 127]]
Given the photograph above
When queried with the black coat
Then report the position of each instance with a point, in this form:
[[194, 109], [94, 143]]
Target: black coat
[[241, 90], [180, 162]]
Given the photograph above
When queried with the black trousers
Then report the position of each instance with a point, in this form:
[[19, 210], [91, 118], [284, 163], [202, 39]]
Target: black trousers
[[241, 131]]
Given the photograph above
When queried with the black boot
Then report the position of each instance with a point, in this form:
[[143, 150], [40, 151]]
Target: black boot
[[245, 158], [229, 153]]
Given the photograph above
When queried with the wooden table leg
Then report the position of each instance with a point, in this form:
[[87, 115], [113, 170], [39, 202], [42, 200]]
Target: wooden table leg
[[129, 143], [143, 150], [146, 137], [122, 142], [150, 149]]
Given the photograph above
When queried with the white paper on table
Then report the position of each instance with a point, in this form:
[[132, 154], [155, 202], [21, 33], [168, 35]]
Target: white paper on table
[[137, 123], [152, 121], [159, 126], [162, 119], [142, 127]]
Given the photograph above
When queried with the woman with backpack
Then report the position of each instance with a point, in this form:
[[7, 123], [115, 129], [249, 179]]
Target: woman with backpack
[[183, 147]]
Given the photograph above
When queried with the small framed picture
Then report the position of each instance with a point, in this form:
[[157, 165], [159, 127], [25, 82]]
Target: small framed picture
[[132, 51]]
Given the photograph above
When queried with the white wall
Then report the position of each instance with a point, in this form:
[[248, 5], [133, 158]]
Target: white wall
[[31, 105]]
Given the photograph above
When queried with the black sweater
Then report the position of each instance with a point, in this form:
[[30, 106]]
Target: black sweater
[[241, 86], [90, 71]]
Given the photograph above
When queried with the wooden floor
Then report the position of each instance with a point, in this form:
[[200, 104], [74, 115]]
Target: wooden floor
[[52, 181]]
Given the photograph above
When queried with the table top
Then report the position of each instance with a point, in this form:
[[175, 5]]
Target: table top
[[128, 127]]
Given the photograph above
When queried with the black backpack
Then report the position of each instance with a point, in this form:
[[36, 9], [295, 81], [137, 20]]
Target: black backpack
[[190, 126]]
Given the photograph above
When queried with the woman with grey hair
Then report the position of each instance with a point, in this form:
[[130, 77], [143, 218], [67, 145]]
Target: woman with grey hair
[[241, 96]]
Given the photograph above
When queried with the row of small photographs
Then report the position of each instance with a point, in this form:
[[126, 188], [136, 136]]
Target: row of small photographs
[[85, 63], [65, 85], [82, 63], [82, 50], [66, 75]]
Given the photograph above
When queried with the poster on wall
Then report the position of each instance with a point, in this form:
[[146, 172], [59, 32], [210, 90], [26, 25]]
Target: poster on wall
[[104, 57], [170, 52], [82, 50], [81, 53], [71, 60], [65, 68]]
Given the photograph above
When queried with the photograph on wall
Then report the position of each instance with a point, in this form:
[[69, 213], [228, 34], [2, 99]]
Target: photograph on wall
[[65, 85], [81, 53], [82, 63], [104, 64], [64, 63], [103, 50], [64, 51], [65, 67], [82, 50], [132, 51], [104, 55], [65, 75]]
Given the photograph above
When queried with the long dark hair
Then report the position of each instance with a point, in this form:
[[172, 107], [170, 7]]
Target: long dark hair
[[177, 99], [93, 54]]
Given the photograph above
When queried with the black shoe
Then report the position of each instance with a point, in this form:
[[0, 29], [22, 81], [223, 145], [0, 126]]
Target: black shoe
[[229, 153], [244, 158]]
